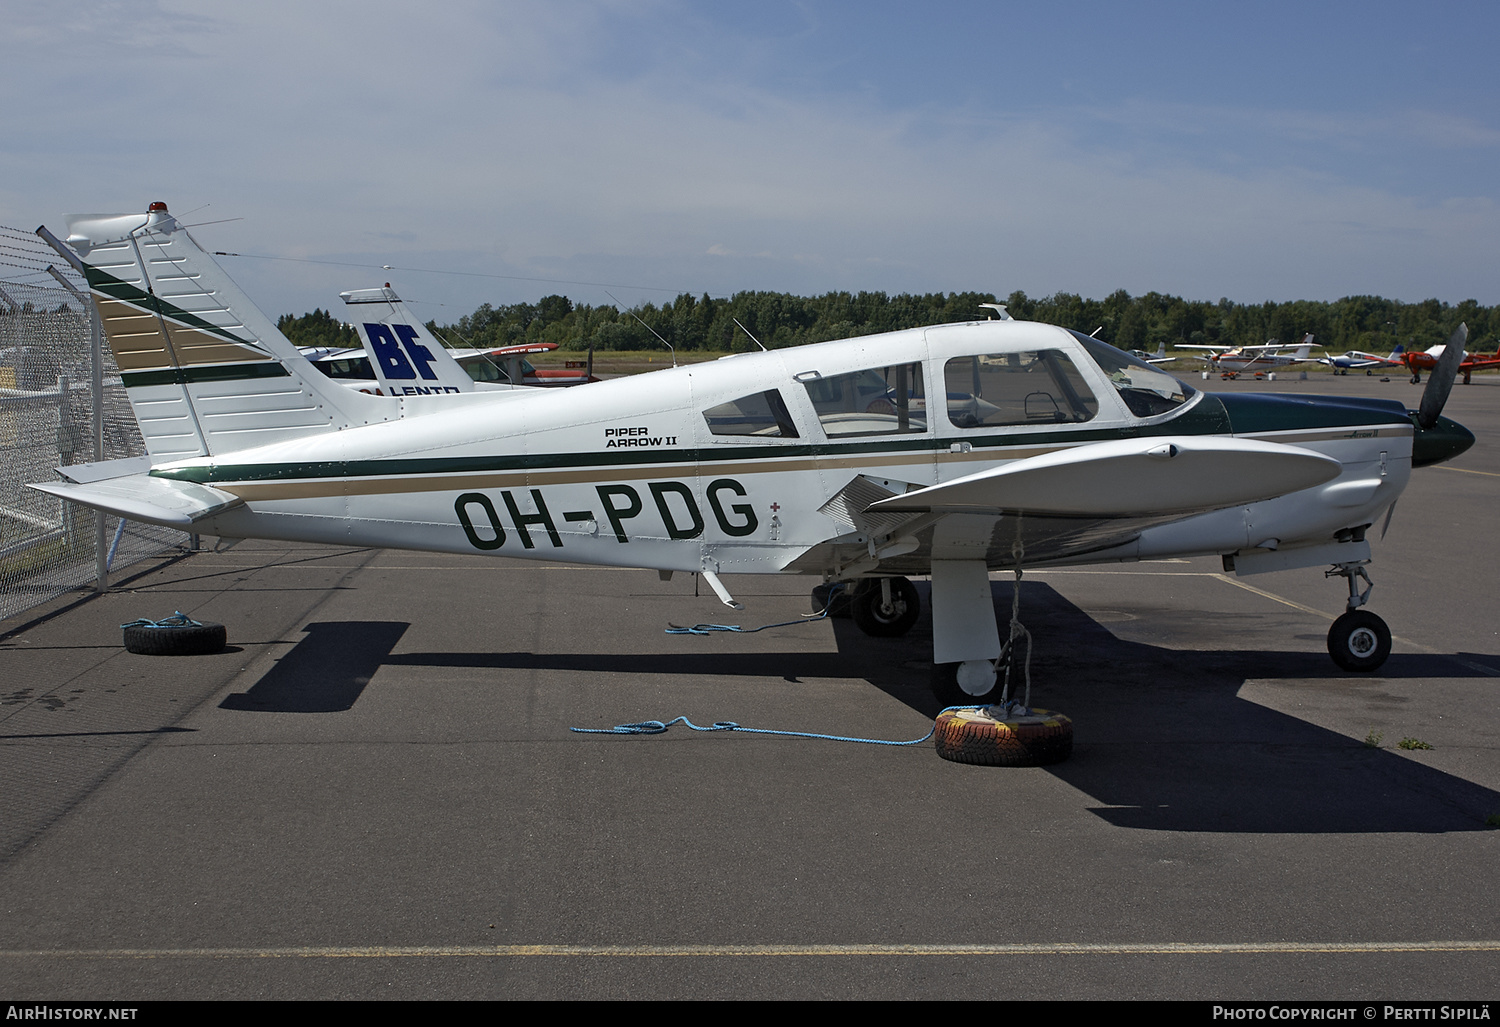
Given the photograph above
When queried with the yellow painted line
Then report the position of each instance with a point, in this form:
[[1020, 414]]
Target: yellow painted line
[[1280, 599], [1479, 667], [1465, 470], [800, 951]]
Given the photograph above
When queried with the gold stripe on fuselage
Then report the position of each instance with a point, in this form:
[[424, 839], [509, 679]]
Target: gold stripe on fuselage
[[374, 485]]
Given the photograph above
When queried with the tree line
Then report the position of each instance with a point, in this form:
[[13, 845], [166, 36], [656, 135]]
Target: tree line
[[781, 319]]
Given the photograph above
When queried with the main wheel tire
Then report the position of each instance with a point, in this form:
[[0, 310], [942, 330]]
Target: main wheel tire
[[973, 736], [820, 594], [1359, 641], [176, 639], [871, 615]]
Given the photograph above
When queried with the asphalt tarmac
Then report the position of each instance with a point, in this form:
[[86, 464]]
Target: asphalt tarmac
[[374, 793]]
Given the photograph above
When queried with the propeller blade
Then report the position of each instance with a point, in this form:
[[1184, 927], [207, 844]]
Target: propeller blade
[[1389, 512], [1440, 382]]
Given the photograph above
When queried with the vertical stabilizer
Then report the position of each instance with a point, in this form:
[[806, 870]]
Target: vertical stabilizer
[[206, 372], [406, 359]]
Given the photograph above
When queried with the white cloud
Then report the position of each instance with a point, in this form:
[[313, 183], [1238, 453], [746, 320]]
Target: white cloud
[[513, 140]]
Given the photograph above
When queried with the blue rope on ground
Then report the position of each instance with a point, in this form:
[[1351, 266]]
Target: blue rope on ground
[[657, 727], [177, 620]]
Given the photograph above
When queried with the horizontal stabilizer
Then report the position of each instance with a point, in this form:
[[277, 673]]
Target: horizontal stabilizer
[[140, 497], [1129, 478], [103, 469]]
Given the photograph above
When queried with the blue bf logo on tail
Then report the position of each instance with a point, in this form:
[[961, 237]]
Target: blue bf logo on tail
[[394, 363]]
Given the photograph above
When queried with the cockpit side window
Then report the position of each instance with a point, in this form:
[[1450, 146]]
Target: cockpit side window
[[762, 414], [1146, 390], [1026, 387], [877, 401]]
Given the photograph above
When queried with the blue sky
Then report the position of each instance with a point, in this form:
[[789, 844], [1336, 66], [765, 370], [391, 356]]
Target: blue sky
[[1254, 151]]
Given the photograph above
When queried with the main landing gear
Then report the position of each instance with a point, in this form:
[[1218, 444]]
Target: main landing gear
[[880, 607], [885, 607], [1358, 640], [971, 664]]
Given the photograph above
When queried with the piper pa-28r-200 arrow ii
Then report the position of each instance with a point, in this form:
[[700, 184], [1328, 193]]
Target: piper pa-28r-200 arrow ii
[[951, 451]]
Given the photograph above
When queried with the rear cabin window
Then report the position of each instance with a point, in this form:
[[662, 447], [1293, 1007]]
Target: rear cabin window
[[762, 414], [487, 369], [1029, 387], [878, 401], [357, 368]]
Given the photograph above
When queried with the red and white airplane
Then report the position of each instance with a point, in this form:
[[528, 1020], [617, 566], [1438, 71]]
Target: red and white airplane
[[1427, 360]]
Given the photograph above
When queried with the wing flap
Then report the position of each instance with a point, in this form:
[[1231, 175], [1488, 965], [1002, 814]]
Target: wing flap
[[1129, 478], [140, 497]]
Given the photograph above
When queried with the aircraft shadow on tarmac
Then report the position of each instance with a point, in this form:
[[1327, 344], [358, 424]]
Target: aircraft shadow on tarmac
[[1163, 740]]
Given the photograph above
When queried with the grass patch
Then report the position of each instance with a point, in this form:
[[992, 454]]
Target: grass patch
[[1372, 740], [1412, 743]]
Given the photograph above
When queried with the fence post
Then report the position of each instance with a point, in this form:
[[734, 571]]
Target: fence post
[[96, 400]]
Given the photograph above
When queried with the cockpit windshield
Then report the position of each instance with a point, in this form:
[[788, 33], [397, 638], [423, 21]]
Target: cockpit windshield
[[1146, 390]]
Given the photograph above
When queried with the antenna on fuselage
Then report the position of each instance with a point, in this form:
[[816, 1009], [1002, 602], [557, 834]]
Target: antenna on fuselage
[[747, 332], [644, 325]]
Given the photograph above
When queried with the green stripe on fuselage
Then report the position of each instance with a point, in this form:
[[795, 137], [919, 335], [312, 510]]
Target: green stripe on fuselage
[[1205, 418], [204, 373]]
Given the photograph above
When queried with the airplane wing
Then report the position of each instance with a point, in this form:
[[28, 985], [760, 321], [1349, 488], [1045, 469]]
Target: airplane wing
[[1064, 504], [1129, 478], [523, 348]]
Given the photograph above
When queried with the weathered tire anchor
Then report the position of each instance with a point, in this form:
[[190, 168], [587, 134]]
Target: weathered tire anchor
[[1006, 735], [177, 635]]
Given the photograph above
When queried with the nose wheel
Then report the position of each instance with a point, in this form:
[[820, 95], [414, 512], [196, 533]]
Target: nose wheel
[[1358, 640]]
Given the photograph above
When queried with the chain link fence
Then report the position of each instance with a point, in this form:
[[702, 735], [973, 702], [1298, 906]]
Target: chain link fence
[[61, 402]]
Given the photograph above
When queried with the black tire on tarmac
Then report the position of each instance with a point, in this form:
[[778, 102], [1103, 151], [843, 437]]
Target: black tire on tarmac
[[176, 639], [972, 736], [1359, 641], [865, 608]]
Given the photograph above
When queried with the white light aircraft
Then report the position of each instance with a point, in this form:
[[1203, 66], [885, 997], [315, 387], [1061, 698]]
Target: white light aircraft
[[1234, 359], [832, 460], [1358, 359]]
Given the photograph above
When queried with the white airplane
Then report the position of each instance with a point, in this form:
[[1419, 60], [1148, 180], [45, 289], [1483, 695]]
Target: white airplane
[[826, 460], [1358, 359], [1233, 359], [1159, 357], [399, 357]]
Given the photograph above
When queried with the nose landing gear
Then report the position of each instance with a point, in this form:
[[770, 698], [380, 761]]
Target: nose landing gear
[[1358, 640]]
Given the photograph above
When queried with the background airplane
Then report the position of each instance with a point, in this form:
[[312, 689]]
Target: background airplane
[[399, 357], [1159, 357], [1232, 360], [1427, 360], [1359, 360]]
